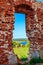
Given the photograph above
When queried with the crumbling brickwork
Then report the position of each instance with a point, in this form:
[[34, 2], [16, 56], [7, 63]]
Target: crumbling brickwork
[[34, 26]]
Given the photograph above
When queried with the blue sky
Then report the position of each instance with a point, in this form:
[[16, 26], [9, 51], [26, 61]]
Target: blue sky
[[39, 0], [19, 25]]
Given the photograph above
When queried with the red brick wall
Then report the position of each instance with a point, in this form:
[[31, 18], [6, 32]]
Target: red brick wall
[[34, 25]]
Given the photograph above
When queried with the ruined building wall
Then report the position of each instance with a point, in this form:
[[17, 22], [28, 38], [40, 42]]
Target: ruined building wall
[[6, 27], [34, 26], [35, 32]]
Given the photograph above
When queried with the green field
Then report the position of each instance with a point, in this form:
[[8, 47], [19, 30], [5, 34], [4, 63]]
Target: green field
[[21, 51]]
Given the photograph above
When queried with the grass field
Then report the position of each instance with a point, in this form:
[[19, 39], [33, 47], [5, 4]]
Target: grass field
[[21, 52]]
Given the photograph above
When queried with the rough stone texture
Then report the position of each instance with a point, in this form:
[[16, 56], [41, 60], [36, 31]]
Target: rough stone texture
[[34, 26]]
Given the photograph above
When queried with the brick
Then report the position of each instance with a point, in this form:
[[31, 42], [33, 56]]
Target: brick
[[34, 25]]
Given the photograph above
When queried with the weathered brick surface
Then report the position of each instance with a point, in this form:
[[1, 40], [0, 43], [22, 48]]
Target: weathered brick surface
[[34, 26]]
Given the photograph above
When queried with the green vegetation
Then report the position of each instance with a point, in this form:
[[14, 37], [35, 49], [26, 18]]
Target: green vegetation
[[34, 61], [21, 50], [18, 42]]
